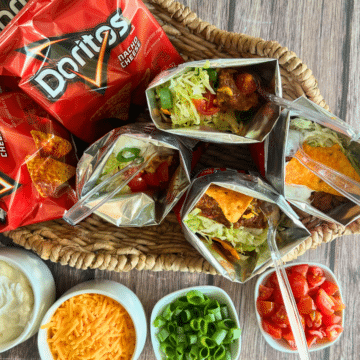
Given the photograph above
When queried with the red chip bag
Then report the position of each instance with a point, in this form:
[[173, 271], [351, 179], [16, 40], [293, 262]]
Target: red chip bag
[[81, 60], [37, 166], [8, 10]]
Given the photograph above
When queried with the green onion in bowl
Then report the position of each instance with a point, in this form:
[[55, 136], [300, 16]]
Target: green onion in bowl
[[196, 323]]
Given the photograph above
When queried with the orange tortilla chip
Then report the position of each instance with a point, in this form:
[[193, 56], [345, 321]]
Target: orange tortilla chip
[[232, 203], [48, 174], [51, 144], [333, 157]]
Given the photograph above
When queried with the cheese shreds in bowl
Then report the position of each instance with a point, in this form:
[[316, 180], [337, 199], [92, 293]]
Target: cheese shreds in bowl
[[91, 327]]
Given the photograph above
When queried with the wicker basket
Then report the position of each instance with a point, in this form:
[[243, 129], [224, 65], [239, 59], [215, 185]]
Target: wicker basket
[[97, 244]]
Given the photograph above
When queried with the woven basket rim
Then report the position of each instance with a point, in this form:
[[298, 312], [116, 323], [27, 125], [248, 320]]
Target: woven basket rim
[[55, 240]]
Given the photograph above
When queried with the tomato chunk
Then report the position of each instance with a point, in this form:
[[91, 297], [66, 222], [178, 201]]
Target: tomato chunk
[[301, 269], [265, 292], [306, 305], [206, 105], [331, 319], [278, 297], [311, 340], [338, 304], [162, 172], [265, 308], [315, 276], [333, 331], [287, 334], [324, 302], [272, 329], [298, 285], [317, 333], [137, 184], [315, 319], [280, 318], [151, 179], [329, 287]]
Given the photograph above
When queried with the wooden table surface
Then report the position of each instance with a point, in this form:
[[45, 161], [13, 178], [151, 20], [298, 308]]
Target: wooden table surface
[[326, 36]]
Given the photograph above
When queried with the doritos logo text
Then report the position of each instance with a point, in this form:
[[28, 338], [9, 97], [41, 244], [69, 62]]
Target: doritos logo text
[[12, 7], [77, 57]]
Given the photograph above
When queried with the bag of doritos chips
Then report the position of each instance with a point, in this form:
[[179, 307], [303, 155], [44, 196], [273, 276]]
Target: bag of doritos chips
[[37, 166], [83, 64], [8, 10]]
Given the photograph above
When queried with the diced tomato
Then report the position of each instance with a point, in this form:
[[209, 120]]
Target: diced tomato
[[311, 340], [333, 331], [331, 319], [280, 318], [317, 333], [315, 319], [302, 318], [287, 334], [151, 179], [338, 304], [315, 276], [301, 269], [278, 299], [206, 105], [330, 287], [272, 329], [245, 82], [137, 184], [324, 302], [265, 308], [273, 280], [313, 291], [162, 172], [265, 292], [306, 305], [298, 285], [292, 344]]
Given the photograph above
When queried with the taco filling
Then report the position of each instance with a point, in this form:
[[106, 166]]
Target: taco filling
[[231, 219], [324, 146]]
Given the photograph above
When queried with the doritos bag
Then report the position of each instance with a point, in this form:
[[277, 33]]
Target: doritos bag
[[8, 10], [37, 164], [82, 59]]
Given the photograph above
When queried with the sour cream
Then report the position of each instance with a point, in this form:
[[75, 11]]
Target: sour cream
[[16, 302]]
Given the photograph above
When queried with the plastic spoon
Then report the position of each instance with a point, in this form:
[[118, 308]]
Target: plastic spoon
[[80, 211], [272, 213]]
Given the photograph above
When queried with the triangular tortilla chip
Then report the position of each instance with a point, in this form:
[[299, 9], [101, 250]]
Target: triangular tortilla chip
[[333, 157], [232, 203], [48, 174], [51, 144]]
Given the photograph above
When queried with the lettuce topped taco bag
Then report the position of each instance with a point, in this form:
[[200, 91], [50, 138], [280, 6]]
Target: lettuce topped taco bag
[[83, 61]]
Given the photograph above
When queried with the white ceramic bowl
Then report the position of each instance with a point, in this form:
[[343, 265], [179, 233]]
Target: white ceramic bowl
[[212, 292], [42, 284], [282, 345], [112, 289]]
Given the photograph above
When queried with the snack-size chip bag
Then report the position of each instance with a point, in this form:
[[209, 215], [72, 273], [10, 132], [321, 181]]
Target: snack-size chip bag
[[84, 60], [37, 166], [8, 10]]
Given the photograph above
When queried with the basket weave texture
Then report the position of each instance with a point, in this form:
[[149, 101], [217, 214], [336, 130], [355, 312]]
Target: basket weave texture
[[97, 244]]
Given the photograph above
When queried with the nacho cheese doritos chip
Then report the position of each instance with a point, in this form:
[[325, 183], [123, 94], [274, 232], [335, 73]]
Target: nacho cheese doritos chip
[[51, 144], [232, 203], [48, 174], [333, 157]]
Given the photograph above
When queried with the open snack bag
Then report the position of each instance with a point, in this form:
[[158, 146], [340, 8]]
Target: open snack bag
[[38, 164], [163, 163], [317, 166], [84, 61], [216, 100], [223, 220]]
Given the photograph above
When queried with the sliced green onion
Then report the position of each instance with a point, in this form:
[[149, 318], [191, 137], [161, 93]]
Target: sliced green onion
[[204, 353], [185, 316], [219, 336], [159, 321], [209, 318], [207, 342], [163, 335], [192, 339], [224, 311], [220, 353], [128, 154], [195, 297]]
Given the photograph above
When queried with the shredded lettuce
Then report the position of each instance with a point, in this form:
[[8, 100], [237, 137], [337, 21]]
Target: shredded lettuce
[[243, 239], [191, 84]]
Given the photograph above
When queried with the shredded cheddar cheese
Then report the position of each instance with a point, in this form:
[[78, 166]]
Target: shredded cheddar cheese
[[91, 327]]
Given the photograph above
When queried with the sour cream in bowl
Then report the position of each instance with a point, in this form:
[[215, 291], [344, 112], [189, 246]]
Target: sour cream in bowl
[[27, 290]]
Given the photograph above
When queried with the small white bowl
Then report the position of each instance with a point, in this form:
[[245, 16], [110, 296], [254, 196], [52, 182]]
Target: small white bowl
[[281, 344], [42, 284], [212, 292], [115, 291]]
